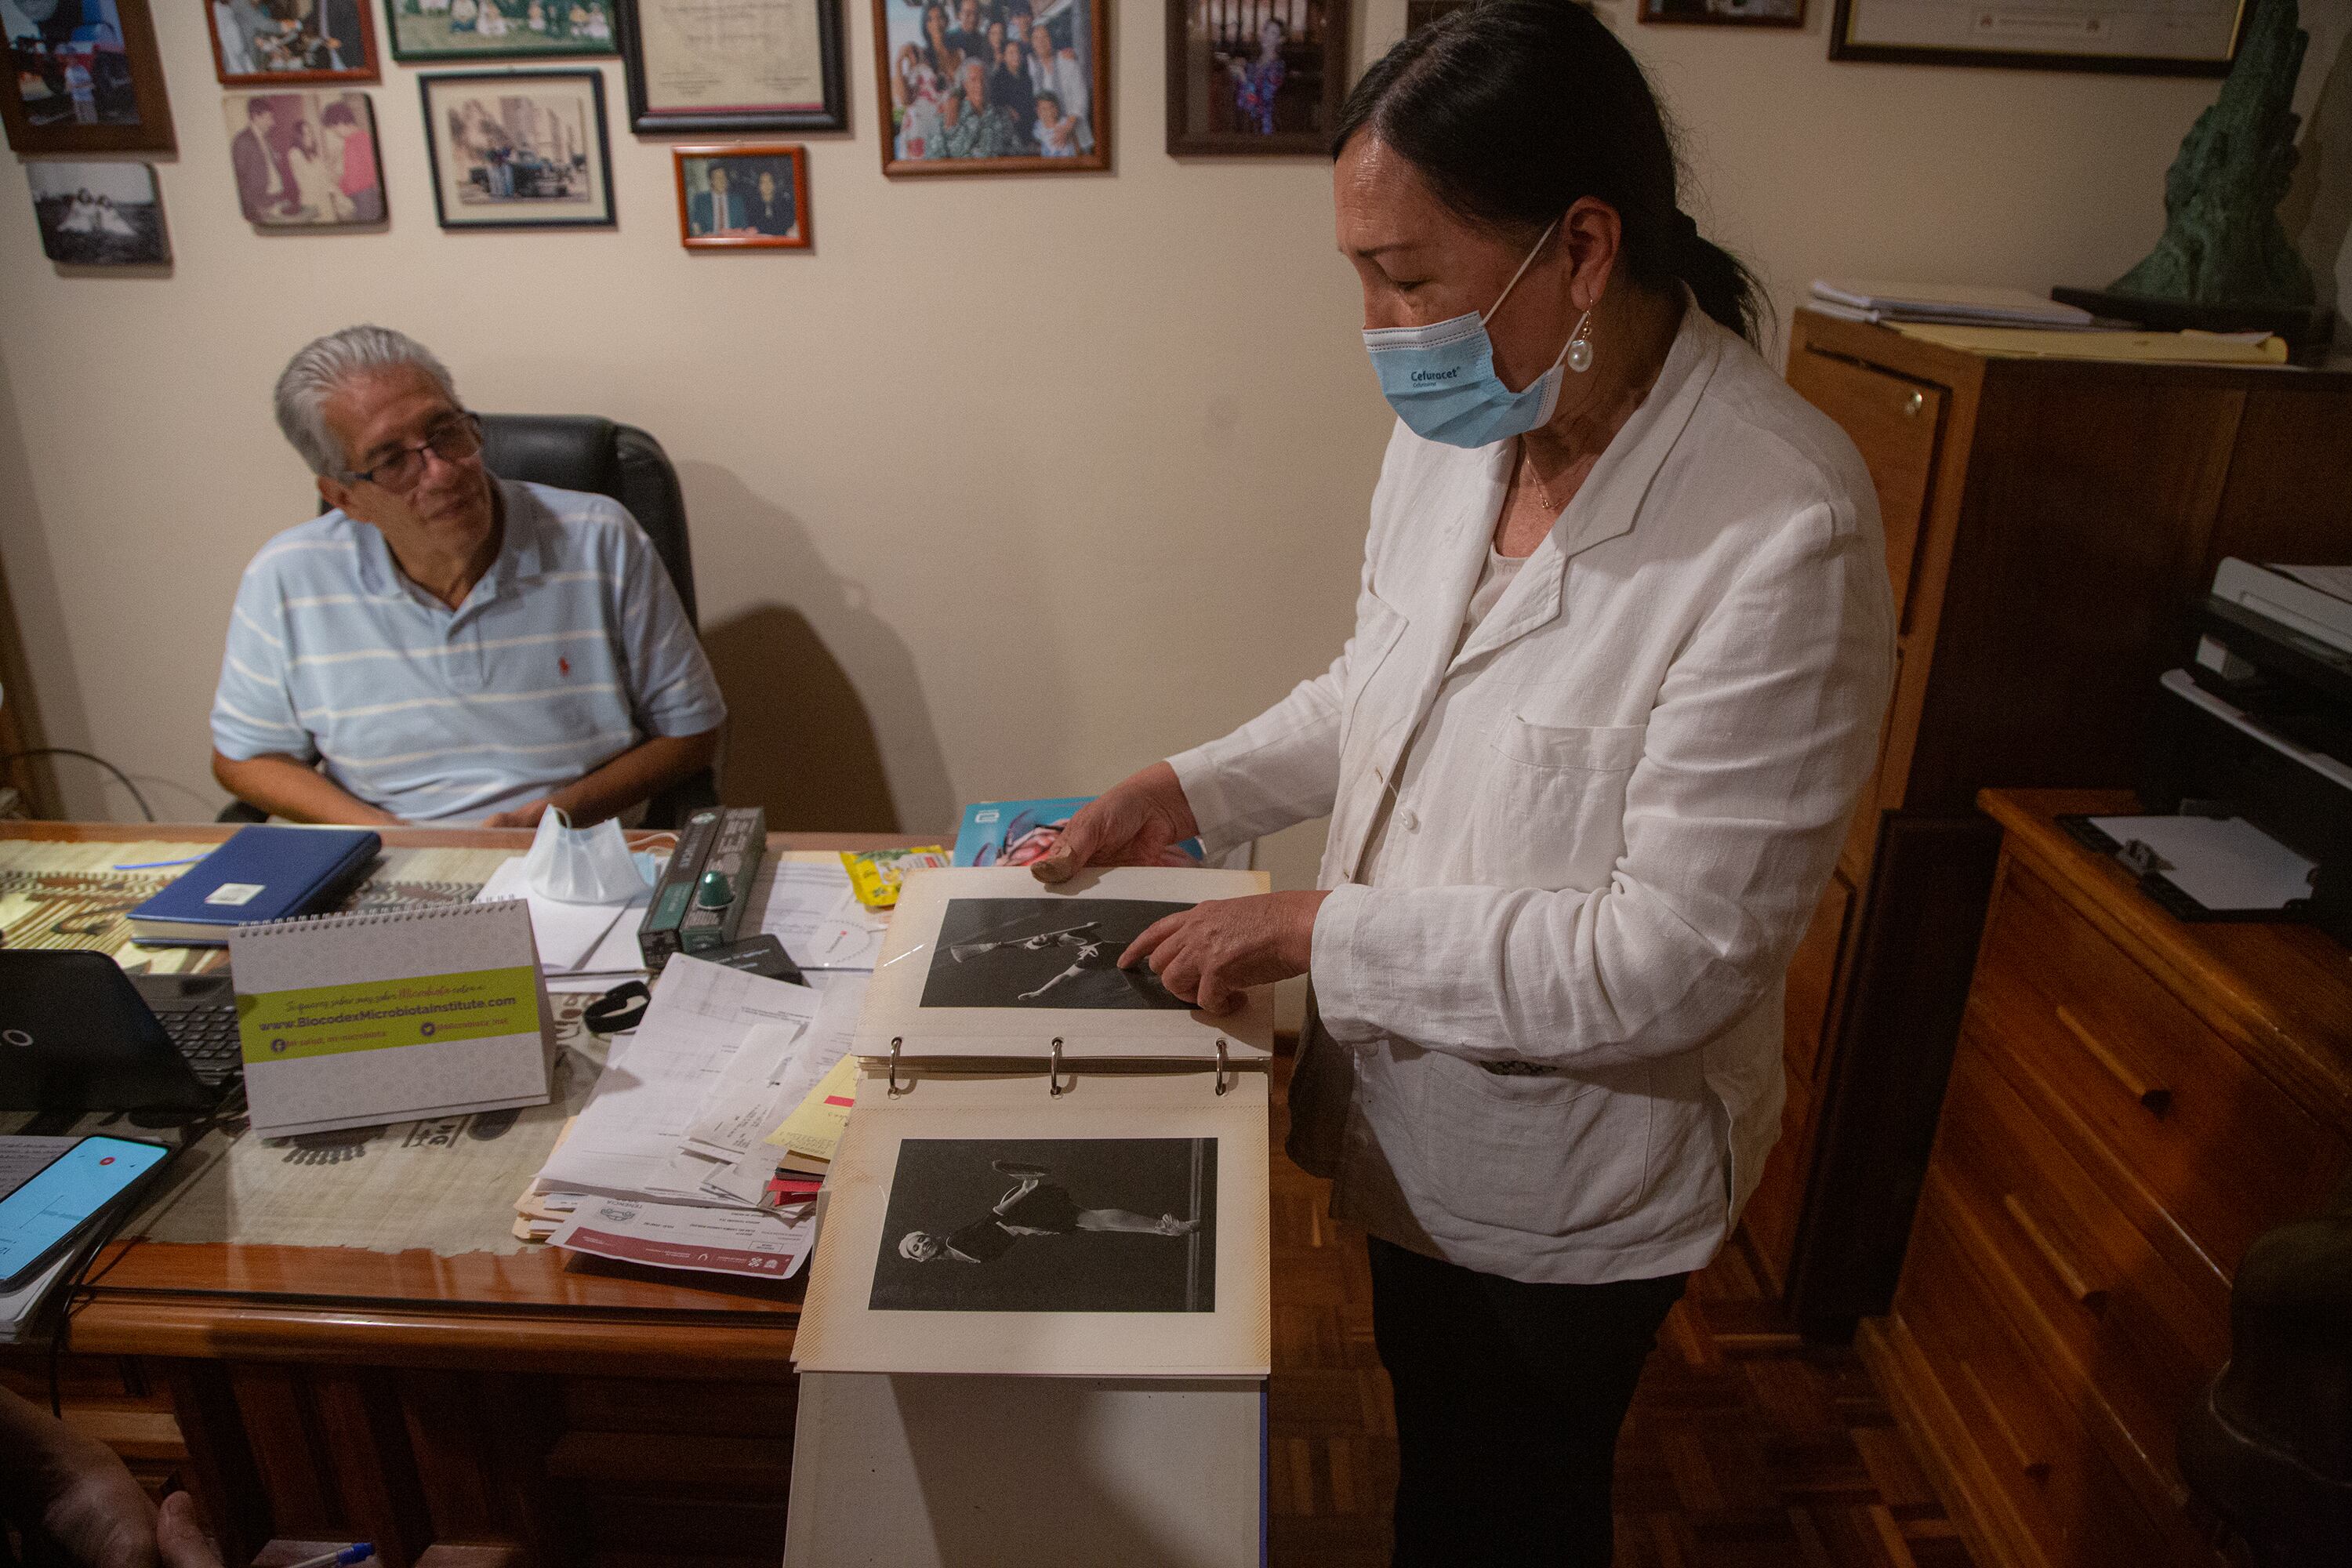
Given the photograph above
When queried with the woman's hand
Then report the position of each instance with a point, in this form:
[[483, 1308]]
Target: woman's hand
[[1211, 953], [1136, 821]]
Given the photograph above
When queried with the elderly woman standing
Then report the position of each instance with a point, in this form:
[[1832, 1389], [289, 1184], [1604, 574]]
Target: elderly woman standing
[[1623, 643]]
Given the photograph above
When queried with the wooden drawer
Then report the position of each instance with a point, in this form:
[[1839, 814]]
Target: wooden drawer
[[2210, 1142], [1895, 423], [1812, 979], [2015, 1434], [2115, 1329]]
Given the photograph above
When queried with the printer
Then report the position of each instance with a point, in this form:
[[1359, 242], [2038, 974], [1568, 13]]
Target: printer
[[2258, 726]]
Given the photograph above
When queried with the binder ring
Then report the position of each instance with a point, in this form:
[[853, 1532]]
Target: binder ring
[[895, 1042], [1053, 1069], [1224, 1081]]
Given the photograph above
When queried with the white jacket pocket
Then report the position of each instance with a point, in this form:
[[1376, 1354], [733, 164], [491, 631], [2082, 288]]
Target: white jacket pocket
[[1545, 1154], [1552, 807]]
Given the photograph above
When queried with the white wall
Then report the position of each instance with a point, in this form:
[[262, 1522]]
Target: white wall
[[1047, 475]]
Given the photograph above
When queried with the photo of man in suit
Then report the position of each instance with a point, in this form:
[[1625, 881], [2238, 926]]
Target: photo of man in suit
[[265, 188], [717, 210]]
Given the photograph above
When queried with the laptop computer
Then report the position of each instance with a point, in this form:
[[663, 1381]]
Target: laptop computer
[[78, 1033]]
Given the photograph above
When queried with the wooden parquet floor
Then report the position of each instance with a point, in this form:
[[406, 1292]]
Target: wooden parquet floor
[[1745, 1447]]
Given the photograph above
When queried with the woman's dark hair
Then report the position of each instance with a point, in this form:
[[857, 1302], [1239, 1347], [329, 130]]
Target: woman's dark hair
[[1512, 109]]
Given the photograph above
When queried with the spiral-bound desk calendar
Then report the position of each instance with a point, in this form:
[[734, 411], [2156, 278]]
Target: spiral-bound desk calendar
[[358, 1020]]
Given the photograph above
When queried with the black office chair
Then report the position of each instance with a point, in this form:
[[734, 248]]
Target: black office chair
[[2268, 1445], [583, 452]]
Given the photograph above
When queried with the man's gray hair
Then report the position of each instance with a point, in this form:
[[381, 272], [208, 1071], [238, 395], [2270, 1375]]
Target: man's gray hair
[[314, 374]]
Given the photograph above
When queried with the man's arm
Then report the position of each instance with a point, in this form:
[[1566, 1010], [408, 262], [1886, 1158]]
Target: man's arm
[[285, 787], [638, 773]]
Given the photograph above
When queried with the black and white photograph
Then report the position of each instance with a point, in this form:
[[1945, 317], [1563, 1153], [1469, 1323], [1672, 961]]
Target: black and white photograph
[[99, 214], [1050, 1224], [519, 148], [1046, 952], [981, 86]]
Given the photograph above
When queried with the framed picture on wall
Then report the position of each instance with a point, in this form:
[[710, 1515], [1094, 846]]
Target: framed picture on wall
[[85, 79], [2186, 37], [734, 65], [983, 87], [519, 148], [305, 160], [99, 214], [743, 197], [271, 43], [1726, 13], [499, 30], [1252, 78]]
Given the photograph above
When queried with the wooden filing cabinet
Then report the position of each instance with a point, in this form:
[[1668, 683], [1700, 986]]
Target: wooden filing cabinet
[[2132, 1101], [2050, 527]]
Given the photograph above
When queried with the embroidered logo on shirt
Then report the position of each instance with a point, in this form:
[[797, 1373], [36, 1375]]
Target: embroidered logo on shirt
[[563, 665]]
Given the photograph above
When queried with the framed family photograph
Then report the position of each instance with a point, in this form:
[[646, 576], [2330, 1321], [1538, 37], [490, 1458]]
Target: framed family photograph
[[84, 77], [271, 43], [99, 214], [734, 65], [977, 87], [1726, 13], [740, 197], [1254, 78], [305, 160], [519, 148], [499, 30]]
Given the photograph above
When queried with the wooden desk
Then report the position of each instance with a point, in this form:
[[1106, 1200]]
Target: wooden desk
[[563, 1414]]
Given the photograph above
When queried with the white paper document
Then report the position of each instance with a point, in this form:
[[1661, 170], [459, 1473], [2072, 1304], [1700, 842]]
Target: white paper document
[[764, 1243], [2224, 863], [807, 904], [657, 1083], [567, 933]]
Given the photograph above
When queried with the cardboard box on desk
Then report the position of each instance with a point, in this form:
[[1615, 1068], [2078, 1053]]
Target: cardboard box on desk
[[357, 1020]]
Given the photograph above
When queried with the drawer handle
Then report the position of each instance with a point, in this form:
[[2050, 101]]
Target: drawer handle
[[1913, 404], [2091, 1298], [2033, 1467], [2155, 1097]]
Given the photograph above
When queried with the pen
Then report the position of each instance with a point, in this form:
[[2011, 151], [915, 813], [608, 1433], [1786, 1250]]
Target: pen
[[360, 1553], [152, 865]]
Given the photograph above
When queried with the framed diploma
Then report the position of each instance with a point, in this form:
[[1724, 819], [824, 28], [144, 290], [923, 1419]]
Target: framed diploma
[[2142, 37], [734, 65]]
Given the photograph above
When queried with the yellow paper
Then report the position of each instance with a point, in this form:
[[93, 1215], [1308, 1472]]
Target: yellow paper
[[2157, 348], [814, 1128]]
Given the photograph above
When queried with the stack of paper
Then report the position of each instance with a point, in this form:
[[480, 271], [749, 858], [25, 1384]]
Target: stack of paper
[[1968, 304], [668, 1163], [581, 947]]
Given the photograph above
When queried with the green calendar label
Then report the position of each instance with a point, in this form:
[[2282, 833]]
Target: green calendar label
[[383, 1015]]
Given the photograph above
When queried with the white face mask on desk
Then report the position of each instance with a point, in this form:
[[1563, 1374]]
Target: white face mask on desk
[[581, 865]]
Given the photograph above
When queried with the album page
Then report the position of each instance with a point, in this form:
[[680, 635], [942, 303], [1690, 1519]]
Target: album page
[[988, 962], [982, 1225]]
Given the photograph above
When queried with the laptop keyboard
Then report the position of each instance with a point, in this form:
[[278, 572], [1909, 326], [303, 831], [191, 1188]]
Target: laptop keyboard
[[207, 1036]]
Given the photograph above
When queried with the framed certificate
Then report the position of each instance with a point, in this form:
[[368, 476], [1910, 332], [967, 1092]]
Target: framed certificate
[[734, 65], [2142, 37]]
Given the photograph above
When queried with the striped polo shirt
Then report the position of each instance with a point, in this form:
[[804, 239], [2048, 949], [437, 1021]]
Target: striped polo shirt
[[572, 649]]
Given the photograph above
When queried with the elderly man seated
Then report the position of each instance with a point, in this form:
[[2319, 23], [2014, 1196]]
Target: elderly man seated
[[444, 646]]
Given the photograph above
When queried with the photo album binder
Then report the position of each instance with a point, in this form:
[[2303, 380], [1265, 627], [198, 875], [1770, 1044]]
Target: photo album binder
[[359, 1020]]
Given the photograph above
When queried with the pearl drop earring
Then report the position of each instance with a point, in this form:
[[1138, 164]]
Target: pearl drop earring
[[1580, 344]]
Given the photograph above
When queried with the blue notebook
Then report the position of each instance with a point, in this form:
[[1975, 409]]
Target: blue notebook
[[262, 873]]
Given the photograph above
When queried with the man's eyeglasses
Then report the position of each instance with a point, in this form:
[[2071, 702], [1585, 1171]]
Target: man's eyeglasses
[[454, 442]]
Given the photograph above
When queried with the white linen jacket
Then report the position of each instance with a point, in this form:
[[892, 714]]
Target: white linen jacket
[[1592, 836]]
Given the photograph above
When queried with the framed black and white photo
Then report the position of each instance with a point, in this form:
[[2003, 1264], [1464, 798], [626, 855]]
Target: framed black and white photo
[[84, 77], [304, 160], [501, 29], [99, 214], [1726, 12], [734, 65], [743, 196], [519, 148], [2188, 37], [1252, 78], [284, 43], [978, 86]]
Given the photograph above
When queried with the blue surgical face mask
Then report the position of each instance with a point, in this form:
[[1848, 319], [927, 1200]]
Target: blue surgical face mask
[[1441, 378]]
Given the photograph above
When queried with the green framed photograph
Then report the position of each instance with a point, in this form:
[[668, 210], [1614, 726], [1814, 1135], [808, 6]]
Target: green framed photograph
[[499, 30]]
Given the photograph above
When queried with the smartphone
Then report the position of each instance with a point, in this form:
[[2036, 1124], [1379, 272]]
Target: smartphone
[[42, 1216]]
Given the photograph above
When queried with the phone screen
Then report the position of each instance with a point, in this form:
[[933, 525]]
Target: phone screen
[[55, 1201]]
